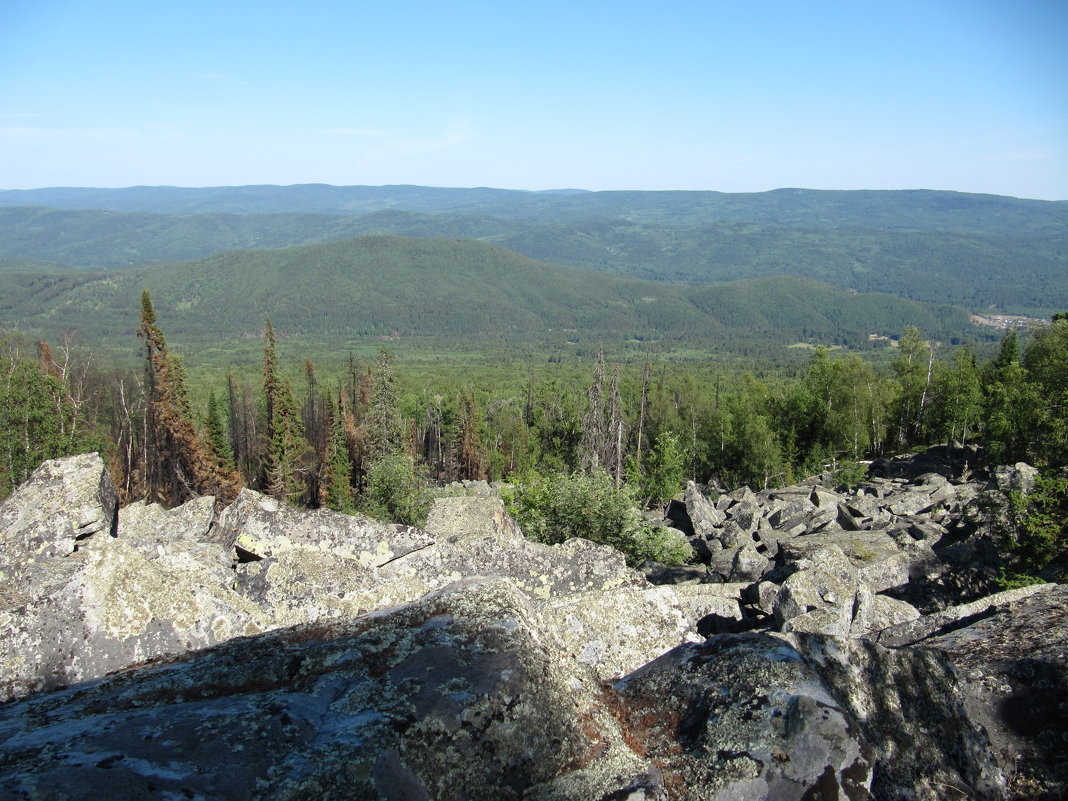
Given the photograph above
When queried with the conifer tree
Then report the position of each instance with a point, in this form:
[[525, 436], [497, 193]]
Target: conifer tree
[[337, 479], [179, 466], [285, 446], [217, 438], [385, 425], [616, 446], [594, 434]]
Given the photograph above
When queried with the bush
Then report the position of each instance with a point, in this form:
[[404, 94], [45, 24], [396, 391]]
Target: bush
[[1039, 546], [396, 491], [555, 507], [850, 473]]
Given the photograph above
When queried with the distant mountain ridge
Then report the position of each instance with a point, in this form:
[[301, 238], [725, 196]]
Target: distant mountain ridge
[[893, 209]]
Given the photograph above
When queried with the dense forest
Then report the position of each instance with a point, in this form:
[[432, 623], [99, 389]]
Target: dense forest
[[364, 439]]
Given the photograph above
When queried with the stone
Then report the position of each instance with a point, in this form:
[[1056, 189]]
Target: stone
[[261, 527], [910, 503], [480, 516], [919, 629], [733, 535], [78, 600], [615, 633], [874, 613], [704, 515], [803, 717], [748, 564], [63, 504], [277, 652], [1015, 478], [880, 561], [745, 515], [452, 697], [109, 607], [168, 536], [819, 597], [305, 585], [1013, 659]]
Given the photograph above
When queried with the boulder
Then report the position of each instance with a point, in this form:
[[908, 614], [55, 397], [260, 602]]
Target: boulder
[[754, 716], [919, 629], [185, 533], [63, 504], [480, 516], [453, 697], [262, 527], [819, 596], [1013, 658], [748, 564], [79, 600], [705, 517], [1015, 478]]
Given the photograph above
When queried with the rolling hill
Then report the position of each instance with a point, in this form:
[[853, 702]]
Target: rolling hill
[[1018, 274], [383, 285]]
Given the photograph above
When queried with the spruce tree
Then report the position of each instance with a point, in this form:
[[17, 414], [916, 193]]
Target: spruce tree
[[285, 447], [385, 424], [337, 479], [217, 437], [594, 434], [179, 466]]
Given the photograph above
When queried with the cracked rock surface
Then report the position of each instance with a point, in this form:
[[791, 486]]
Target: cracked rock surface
[[271, 653]]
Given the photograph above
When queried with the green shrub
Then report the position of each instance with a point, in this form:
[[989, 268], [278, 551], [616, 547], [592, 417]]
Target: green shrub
[[850, 473], [664, 471], [1039, 546], [555, 507], [396, 490]]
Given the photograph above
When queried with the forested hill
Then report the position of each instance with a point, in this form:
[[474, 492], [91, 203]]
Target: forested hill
[[1018, 273], [383, 285], [926, 210]]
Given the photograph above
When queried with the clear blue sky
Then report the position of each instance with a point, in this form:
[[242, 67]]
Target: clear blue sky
[[732, 96]]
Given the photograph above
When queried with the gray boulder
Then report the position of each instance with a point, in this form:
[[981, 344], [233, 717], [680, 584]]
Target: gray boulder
[[820, 596], [705, 517], [1015, 478], [63, 504], [453, 697], [261, 527], [759, 716], [79, 599], [1013, 658]]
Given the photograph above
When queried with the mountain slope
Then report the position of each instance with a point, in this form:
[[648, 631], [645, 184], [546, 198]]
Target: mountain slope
[[380, 285], [1013, 274], [95, 239]]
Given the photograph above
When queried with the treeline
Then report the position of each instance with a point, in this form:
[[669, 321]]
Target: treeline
[[357, 441]]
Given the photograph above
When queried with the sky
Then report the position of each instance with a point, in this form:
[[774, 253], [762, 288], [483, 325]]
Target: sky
[[733, 96]]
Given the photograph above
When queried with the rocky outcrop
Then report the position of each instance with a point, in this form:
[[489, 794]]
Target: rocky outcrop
[[77, 602], [1013, 658], [274, 653], [103, 591], [465, 694]]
